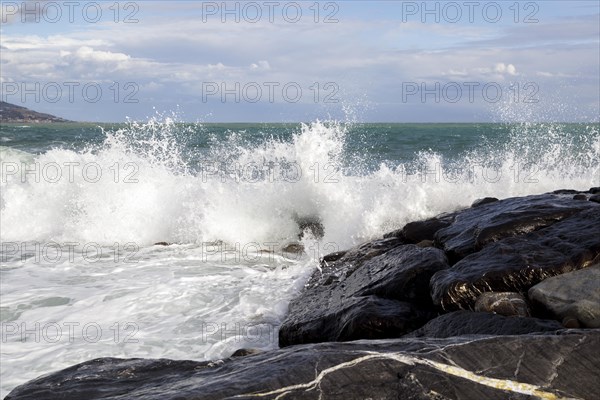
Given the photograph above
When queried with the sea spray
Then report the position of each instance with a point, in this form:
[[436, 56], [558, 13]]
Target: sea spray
[[146, 184]]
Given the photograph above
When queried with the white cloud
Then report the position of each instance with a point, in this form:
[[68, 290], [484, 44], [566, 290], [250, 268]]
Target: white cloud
[[365, 56], [502, 68], [261, 65], [89, 54]]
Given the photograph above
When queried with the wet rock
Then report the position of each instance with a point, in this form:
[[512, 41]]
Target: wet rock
[[594, 190], [294, 248], [331, 257], [475, 228], [310, 224], [506, 303], [369, 317], [516, 264], [572, 296], [415, 232], [402, 273], [162, 244], [355, 318], [595, 198], [245, 352], [485, 200], [565, 191], [491, 368], [464, 322], [356, 256], [365, 296], [570, 323], [580, 197], [425, 243]]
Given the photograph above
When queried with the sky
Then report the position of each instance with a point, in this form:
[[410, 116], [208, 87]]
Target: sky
[[289, 61]]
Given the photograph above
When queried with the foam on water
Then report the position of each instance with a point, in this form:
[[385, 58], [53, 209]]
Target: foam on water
[[199, 301], [149, 192]]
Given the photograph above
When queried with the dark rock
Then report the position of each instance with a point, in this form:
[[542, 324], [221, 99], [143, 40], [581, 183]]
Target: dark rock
[[565, 191], [595, 198], [415, 232], [393, 234], [402, 273], [331, 257], [464, 322], [354, 318], [245, 352], [310, 224], [505, 303], [570, 323], [575, 295], [363, 295], [580, 197], [425, 243], [294, 248], [515, 264], [474, 228], [594, 190], [369, 317], [356, 256], [485, 200], [162, 244], [491, 368]]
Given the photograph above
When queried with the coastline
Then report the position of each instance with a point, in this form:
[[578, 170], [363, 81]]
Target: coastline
[[456, 305]]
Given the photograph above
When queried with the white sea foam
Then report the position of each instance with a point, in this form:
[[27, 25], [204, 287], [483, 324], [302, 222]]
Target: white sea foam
[[159, 197]]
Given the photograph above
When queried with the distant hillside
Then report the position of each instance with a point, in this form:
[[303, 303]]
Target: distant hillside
[[12, 113]]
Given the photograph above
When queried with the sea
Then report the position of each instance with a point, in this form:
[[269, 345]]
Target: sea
[[163, 239]]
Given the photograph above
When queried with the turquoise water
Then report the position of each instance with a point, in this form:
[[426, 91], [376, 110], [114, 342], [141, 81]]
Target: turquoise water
[[374, 143], [83, 204]]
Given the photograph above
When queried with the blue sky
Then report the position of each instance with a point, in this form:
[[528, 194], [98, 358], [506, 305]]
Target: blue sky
[[282, 61]]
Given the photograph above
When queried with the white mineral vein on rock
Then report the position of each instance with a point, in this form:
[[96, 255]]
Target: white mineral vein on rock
[[501, 384]]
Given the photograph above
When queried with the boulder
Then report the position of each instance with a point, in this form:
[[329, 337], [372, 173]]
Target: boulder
[[390, 283], [356, 256], [474, 228], [575, 295], [515, 264], [294, 248], [310, 224], [402, 273], [502, 367], [464, 322], [504, 303], [331, 257], [485, 200], [369, 317], [415, 232], [246, 352]]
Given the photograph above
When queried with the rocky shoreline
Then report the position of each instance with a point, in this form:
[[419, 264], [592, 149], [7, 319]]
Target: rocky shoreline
[[499, 300]]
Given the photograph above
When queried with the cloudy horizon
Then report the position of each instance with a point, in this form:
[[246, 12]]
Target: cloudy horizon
[[281, 61]]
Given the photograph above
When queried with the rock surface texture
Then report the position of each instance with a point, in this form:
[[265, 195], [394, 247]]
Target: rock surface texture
[[464, 322], [393, 318], [503, 303], [508, 367], [573, 295], [379, 296]]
